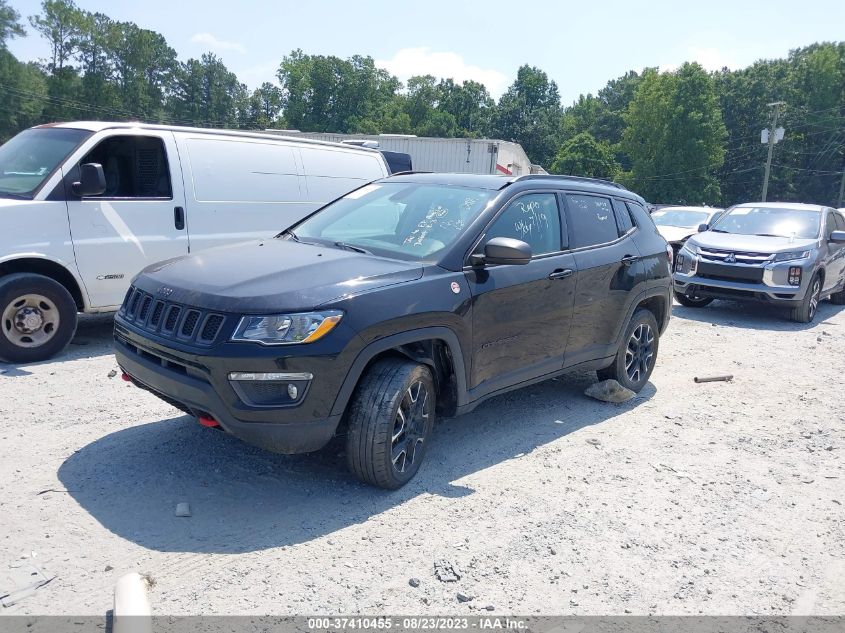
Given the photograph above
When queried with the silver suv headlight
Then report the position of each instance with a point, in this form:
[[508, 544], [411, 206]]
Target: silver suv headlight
[[788, 257], [689, 249], [287, 329]]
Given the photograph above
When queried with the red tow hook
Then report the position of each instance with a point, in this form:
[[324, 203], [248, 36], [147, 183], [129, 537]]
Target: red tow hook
[[209, 422], [126, 377]]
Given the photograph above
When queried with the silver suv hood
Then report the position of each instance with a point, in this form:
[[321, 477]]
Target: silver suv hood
[[750, 243]]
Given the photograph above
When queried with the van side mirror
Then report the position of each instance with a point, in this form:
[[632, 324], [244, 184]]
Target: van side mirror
[[837, 237], [703, 227], [506, 250], [92, 180]]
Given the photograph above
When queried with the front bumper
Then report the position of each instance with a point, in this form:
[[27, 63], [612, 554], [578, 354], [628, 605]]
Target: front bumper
[[200, 384], [766, 290]]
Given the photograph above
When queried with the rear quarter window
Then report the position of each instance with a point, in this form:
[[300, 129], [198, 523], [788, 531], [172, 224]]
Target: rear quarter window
[[641, 217]]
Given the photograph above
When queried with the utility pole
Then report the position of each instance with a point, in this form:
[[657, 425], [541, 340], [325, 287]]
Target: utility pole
[[776, 105], [842, 190]]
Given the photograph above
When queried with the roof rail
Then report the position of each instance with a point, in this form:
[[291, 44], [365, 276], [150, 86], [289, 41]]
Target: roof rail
[[597, 181], [410, 171]]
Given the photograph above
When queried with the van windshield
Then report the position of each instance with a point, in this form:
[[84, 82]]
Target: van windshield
[[28, 159], [409, 221]]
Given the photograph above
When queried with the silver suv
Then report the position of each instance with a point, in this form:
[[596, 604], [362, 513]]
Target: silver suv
[[785, 254]]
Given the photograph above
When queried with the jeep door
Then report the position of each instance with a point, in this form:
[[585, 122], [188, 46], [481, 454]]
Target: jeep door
[[138, 220], [610, 275], [521, 313]]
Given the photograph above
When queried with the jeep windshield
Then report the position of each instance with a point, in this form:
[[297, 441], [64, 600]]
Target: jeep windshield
[[28, 159], [408, 221], [771, 222]]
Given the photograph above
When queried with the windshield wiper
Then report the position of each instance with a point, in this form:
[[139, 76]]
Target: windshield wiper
[[351, 247], [293, 235], [719, 231], [768, 235]]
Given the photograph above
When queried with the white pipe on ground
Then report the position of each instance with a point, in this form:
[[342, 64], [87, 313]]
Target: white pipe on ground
[[132, 612]]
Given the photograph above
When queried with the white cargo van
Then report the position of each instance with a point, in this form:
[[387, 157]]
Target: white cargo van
[[87, 205]]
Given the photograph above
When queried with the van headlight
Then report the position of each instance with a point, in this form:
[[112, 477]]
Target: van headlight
[[788, 257], [286, 329]]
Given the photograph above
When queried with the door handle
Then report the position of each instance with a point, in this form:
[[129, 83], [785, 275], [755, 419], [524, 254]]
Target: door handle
[[629, 259], [179, 218], [561, 273]]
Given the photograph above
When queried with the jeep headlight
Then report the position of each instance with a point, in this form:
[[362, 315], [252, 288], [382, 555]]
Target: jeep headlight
[[793, 255], [286, 329]]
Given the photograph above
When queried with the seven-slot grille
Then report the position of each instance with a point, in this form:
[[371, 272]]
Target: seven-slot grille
[[171, 320]]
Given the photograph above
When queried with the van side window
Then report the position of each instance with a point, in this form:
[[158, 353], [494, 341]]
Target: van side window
[[533, 218], [134, 166], [593, 220]]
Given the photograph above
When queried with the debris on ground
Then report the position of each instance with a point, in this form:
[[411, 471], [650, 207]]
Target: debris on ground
[[726, 378], [112, 373], [594, 442], [23, 579], [414, 582], [609, 391], [183, 510], [446, 571], [462, 597]]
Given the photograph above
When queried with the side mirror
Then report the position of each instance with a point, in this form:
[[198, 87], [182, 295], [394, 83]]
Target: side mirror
[[703, 227], [506, 250], [838, 237], [92, 180]]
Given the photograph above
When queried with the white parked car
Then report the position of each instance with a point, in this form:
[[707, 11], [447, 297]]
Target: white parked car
[[87, 205], [677, 224]]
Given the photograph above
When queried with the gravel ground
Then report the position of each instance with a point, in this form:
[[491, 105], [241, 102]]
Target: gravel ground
[[718, 498]]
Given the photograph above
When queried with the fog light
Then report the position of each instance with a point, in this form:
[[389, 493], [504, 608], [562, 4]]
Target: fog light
[[679, 266], [293, 392], [794, 276]]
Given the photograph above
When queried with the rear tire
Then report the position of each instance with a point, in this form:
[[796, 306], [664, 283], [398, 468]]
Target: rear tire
[[695, 302], [37, 318], [806, 311], [390, 421], [637, 355]]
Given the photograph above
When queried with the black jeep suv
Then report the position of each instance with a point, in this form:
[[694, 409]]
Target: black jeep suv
[[413, 296]]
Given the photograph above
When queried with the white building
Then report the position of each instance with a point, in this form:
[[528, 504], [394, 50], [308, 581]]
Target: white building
[[454, 155]]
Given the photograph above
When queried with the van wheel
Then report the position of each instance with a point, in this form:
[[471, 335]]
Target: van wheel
[[390, 420], [692, 302], [635, 359], [805, 312], [37, 317]]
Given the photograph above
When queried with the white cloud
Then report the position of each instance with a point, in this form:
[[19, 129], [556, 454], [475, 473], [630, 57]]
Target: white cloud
[[217, 45], [408, 62], [709, 58]]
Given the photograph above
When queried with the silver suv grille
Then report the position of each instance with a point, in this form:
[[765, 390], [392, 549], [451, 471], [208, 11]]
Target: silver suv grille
[[733, 257], [171, 320]]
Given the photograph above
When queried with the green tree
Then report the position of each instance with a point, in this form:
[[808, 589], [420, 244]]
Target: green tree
[[583, 155], [10, 24], [675, 137], [59, 23], [207, 94], [469, 104], [529, 113]]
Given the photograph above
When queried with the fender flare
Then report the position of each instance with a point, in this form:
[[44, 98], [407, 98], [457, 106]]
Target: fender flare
[[375, 348], [648, 293]]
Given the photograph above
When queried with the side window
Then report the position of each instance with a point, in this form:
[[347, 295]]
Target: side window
[[134, 166], [533, 218], [840, 222], [829, 225], [623, 217], [593, 220], [641, 217]]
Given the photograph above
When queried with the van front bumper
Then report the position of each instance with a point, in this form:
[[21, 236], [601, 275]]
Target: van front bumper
[[187, 385]]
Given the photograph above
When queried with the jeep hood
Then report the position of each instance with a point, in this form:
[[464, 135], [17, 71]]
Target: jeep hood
[[751, 243], [271, 276]]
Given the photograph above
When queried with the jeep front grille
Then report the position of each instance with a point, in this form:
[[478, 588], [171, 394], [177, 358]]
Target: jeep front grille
[[171, 320]]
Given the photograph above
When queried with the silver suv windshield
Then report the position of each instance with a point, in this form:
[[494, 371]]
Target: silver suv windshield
[[28, 159], [770, 222], [408, 221]]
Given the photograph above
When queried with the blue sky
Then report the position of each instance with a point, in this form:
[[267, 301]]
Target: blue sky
[[580, 45]]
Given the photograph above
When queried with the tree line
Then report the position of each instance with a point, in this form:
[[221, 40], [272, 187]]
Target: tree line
[[684, 136]]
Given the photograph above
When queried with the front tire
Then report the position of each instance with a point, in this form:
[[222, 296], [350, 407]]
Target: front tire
[[692, 302], [37, 318], [805, 312], [390, 421], [637, 355]]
